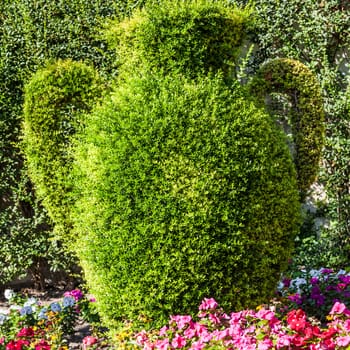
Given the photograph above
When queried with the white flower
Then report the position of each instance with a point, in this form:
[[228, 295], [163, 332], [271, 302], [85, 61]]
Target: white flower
[[30, 302], [9, 294], [315, 273], [297, 282], [3, 318]]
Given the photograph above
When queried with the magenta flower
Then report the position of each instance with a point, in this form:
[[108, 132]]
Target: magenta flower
[[313, 280], [181, 321], [178, 342], [344, 278], [77, 294], [208, 304]]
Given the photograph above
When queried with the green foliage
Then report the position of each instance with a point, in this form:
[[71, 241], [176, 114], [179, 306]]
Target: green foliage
[[188, 37], [31, 32], [318, 34], [306, 112], [193, 195], [55, 99]]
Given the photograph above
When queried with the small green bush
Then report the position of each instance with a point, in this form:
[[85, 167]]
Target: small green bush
[[55, 99], [189, 192]]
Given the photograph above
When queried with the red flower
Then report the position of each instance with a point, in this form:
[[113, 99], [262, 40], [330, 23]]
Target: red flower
[[297, 320], [329, 344], [297, 340], [42, 345], [26, 332], [16, 345], [329, 333]]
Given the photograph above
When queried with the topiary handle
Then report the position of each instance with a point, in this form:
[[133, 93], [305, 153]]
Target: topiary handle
[[294, 79]]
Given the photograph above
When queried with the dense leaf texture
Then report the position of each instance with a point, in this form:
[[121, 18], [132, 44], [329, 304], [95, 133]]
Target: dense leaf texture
[[55, 99], [189, 191]]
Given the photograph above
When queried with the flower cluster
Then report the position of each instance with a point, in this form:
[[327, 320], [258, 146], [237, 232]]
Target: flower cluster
[[29, 324], [249, 330], [316, 291]]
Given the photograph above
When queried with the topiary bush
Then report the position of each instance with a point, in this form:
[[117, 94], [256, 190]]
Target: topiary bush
[[306, 115], [193, 195], [188, 37], [55, 99], [184, 186]]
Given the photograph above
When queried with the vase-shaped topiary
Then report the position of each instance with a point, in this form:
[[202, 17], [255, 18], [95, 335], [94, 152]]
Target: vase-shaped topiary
[[184, 186]]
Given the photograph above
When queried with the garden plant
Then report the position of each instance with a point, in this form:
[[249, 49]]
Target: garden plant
[[182, 184]]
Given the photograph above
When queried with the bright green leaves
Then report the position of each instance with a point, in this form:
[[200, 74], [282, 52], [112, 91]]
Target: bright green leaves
[[187, 37], [194, 194], [56, 99]]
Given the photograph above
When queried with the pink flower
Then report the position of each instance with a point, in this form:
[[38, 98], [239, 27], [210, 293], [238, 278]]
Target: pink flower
[[88, 341], [162, 344], [208, 304], [190, 332], [178, 342], [338, 308], [181, 321], [197, 345], [162, 331], [343, 341], [266, 344], [283, 341], [141, 337], [200, 328], [213, 318]]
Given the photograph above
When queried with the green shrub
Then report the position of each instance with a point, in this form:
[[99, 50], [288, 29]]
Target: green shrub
[[183, 185], [193, 195], [306, 112], [182, 36], [55, 99]]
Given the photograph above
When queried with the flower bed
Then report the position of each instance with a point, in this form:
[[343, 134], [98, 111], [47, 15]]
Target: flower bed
[[247, 330], [313, 313], [29, 324]]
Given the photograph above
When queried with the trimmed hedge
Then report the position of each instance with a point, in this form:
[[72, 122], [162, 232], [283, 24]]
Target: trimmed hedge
[[186, 37], [55, 99], [193, 195], [185, 187], [306, 115]]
